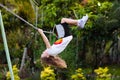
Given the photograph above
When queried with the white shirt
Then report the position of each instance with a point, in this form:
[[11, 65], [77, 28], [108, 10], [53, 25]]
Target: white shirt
[[59, 46]]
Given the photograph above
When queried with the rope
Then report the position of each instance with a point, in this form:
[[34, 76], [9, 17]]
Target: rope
[[22, 18]]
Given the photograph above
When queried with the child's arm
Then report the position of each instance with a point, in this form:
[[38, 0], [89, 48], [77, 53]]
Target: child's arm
[[45, 39]]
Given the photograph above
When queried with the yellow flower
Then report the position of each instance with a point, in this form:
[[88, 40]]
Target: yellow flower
[[102, 73], [8, 75], [105, 70], [47, 74], [73, 76], [79, 70], [48, 70], [15, 72], [79, 75]]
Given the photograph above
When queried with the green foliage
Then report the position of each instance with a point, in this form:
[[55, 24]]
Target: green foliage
[[114, 69], [17, 47], [108, 46], [51, 12], [16, 30], [8, 18], [24, 9], [105, 7], [101, 30]]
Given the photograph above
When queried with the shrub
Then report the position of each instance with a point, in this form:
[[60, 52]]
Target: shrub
[[47, 74], [102, 74], [78, 75], [15, 72]]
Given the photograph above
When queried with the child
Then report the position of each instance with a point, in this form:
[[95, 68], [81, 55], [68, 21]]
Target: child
[[49, 56]]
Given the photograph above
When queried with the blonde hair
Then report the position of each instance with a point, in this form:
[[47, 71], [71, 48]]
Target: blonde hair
[[54, 61]]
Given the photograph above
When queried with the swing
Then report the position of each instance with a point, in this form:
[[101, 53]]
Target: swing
[[22, 18], [57, 62]]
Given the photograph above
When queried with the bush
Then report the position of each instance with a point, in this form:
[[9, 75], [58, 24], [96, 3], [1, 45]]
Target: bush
[[78, 75], [102, 74], [15, 72], [47, 74]]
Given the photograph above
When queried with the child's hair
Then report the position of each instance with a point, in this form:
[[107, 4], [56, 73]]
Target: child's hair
[[54, 61]]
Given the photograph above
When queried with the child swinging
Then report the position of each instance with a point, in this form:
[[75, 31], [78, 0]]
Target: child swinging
[[50, 55]]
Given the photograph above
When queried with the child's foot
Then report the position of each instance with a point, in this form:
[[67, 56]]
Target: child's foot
[[81, 22]]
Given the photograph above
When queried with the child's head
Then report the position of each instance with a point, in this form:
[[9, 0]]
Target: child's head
[[54, 61]]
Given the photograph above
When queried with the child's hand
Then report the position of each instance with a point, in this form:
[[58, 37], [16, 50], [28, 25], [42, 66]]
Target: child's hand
[[40, 30]]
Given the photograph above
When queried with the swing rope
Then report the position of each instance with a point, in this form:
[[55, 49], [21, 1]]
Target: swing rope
[[22, 19]]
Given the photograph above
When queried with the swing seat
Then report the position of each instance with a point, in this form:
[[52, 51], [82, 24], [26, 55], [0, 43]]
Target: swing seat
[[54, 61]]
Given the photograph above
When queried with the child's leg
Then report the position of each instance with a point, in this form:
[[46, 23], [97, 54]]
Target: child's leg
[[69, 21], [80, 23]]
